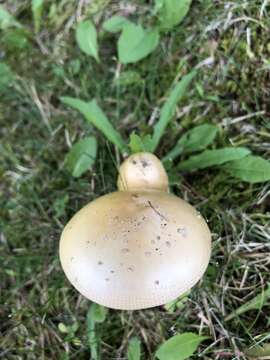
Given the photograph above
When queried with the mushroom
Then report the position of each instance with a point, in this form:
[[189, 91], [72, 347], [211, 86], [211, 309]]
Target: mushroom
[[138, 247]]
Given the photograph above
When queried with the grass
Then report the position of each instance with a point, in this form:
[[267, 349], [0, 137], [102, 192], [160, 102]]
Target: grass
[[38, 196]]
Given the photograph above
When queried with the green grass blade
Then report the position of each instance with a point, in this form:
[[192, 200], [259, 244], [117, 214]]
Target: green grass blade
[[94, 114], [169, 108], [37, 8], [254, 304]]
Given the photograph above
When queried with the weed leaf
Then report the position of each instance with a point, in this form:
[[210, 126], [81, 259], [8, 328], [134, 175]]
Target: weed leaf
[[94, 115], [210, 158], [193, 140], [169, 108], [171, 12], [86, 37], [37, 7], [96, 314], [138, 143], [115, 23], [252, 169], [134, 349], [6, 19], [254, 304], [82, 156], [180, 347], [135, 43]]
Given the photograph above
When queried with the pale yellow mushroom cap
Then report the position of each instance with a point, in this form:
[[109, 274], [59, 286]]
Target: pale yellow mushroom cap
[[135, 249], [142, 171]]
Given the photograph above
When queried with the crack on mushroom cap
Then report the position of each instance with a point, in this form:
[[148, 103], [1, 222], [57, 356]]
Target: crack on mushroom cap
[[156, 211]]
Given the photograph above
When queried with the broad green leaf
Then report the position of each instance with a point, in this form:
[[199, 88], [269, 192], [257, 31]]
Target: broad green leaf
[[37, 8], [258, 352], [135, 43], [6, 76], [138, 143], [115, 23], [82, 156], [195, 139], [6, 19], [16, 39], [86, 37], [134, 349], [94, 115], [171, 12], [96, 314], [210, 158], [169, 108], [180, 347], [252, 169], [254, 304]]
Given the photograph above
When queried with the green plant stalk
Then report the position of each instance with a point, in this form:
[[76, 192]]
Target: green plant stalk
[[169, 108]]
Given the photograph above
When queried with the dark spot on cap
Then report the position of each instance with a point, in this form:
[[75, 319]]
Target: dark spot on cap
[[157, 282], [134, 162], [144, 163], [100, 263]]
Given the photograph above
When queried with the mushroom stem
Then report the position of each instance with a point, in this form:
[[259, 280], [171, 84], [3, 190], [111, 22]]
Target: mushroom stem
[[142, 171]]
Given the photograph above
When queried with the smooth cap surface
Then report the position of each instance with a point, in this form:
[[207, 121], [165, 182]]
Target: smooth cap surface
[[142, 171], [134, 250]]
